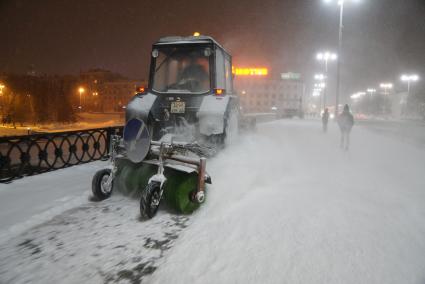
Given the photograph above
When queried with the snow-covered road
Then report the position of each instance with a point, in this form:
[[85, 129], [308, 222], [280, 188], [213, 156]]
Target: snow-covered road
[[286, 206]]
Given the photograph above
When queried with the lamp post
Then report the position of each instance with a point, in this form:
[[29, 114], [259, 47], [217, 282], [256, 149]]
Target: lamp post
[[386, 87], [326, 57], [370, 91], [338, 64], [408, 79], [319, 77], [80, 91], [317, 90], [2, 86]]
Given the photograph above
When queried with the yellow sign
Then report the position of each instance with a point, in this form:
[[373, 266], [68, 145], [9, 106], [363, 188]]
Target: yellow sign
[[250, 71]]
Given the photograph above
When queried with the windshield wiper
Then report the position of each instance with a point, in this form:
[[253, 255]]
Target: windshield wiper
[[165, 59]]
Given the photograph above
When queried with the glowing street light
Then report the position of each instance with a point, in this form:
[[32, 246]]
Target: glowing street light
[[371, 91], [386, 87], [319, 77], [1, 88], [408, 79], [316, 92], [340, 3], [320, 85], [357, 95], [326, 57], [81, 91]]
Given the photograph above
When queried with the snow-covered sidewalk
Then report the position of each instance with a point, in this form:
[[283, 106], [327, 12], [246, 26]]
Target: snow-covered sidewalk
[[30, 201], [52, 232], [288, 206]]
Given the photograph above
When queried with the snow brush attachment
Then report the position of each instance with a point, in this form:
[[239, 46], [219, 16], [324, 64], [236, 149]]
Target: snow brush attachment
[[154, 171]]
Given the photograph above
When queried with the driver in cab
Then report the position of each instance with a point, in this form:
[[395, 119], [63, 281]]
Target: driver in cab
[[195, 75]]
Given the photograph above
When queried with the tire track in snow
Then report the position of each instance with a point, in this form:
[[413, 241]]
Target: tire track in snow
[[100, 242]]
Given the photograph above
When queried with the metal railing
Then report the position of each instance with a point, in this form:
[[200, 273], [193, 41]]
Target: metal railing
[[34, 154]]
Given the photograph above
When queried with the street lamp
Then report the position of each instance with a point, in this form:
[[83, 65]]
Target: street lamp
[[326, 57], [2, 86], [316, 92], [386, 87], [320, 85], [408, 79], [81, 91], [357, 95], [338, 64], [371, 91], [319, 77]]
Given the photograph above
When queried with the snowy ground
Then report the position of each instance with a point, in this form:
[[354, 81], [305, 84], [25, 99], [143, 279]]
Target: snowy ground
[[300, 210], [53, 232], [84, 121], [286, 206]]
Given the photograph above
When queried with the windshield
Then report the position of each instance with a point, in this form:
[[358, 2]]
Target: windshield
[[181, 69]]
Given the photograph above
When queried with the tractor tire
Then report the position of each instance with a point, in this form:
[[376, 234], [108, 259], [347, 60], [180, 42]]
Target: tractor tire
[[151, 198], [99, 187], [231, 132]]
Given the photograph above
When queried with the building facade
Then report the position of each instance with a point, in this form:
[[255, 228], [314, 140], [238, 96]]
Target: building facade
[[104, 91], [264, 95]]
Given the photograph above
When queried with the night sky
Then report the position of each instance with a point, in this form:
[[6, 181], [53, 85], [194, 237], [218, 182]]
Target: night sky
[[382, 38]]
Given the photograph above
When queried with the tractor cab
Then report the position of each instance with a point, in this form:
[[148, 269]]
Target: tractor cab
[[189, 65], [190, 90]]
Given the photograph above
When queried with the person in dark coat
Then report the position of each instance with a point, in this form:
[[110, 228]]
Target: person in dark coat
[[325, 119], [345, 122]]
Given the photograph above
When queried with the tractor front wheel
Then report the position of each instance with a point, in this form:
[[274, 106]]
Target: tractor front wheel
[[151, 197], [101, 185]]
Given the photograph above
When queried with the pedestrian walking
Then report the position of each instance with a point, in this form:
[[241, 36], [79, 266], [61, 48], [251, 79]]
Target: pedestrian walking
[[325, 119], [345, 122]]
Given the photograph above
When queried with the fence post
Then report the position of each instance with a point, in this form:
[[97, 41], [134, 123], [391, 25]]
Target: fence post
[[108, 139]]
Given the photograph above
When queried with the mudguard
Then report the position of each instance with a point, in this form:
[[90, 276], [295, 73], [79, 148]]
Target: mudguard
[[211, 114], [140, 106]]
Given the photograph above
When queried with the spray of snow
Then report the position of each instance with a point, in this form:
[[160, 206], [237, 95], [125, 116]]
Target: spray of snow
[[288, 206]]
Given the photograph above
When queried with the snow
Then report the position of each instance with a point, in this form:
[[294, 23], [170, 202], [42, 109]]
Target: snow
[[290, 207], [52, 232], [33, 200], [286, 206], [99, 242], [84, 121]]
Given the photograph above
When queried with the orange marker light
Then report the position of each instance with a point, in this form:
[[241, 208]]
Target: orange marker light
[[141, 89], [219, 92]]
